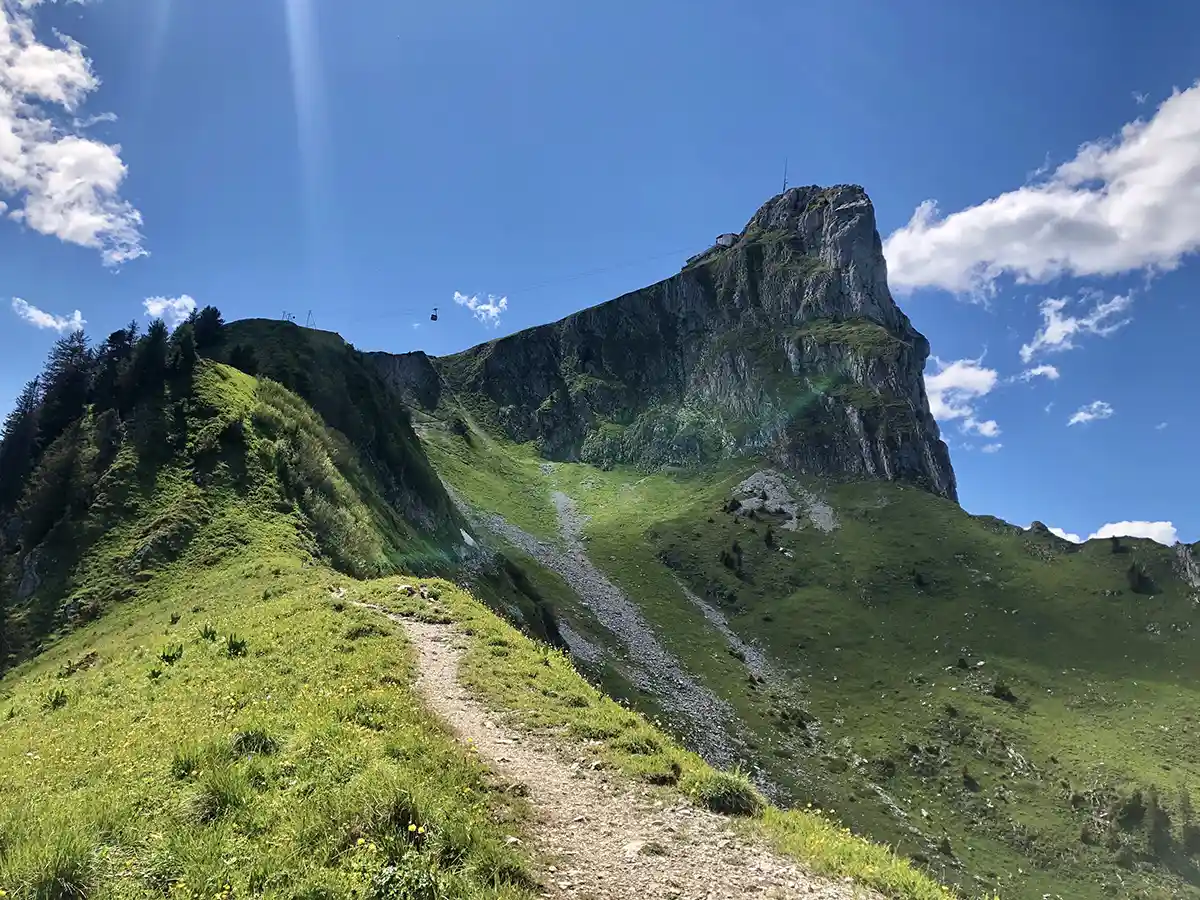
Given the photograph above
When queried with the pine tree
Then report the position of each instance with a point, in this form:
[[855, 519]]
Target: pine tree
[[112, 364], [18, 445], [208, 326], [65, 386], [243, 358], [183, 353], [150, 358]]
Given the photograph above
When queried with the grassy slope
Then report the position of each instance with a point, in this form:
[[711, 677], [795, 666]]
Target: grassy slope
[[873, 619], [236, 728], [227, 731]]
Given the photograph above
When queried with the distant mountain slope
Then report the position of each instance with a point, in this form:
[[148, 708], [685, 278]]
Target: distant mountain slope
[[786, 345], [1016, 710]]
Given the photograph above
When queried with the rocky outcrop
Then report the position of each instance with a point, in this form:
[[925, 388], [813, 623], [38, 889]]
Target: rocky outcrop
[[786, 345]]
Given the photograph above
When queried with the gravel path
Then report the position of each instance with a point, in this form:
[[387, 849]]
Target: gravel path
[[600, 839], [705, 719], [756, 660]]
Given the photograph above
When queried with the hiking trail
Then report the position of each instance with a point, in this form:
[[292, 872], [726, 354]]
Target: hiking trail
[[597, 836]]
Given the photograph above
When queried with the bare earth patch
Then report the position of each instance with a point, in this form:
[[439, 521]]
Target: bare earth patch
[[600, 837]]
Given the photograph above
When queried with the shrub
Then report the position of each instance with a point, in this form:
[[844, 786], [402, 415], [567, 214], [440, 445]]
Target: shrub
[[254, 740], [208, 632], [728, 793], [62, 869], [220, 792], [171, 654], [187, 762], [235, 646], [56, 699], [638, 743]]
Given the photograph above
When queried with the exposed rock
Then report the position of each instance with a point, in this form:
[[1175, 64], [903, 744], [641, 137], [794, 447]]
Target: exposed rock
[[31, 577], [786, 345], [412, 375], [772, 492]]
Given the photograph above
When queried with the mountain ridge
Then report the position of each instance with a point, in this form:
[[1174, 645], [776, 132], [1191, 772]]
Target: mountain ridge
[[786, 345]]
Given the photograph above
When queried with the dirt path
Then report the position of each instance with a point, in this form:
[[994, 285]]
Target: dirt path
[[600, 839]]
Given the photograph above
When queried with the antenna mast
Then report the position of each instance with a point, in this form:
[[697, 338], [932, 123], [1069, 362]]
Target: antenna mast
[[785, 162]]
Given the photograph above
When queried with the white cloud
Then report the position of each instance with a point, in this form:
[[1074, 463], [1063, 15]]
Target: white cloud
[[992, 448], [1139, 97], [41, 319], [1058, 330], [1043, 371], [1120, 205], [954, 387], [1066, 535], [1049, 406], [1160, 426], [987, 428], [89, 121], [1163, 532], [172, 310], [1097, 409], [488, 312], [56, 181]]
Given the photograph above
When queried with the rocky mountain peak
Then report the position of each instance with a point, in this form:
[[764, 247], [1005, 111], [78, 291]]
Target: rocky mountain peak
[[786, 345]]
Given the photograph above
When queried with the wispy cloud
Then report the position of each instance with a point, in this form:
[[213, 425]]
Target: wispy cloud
[[486, 311], [1160, 426], [1058, 331], [1097, 409], [172, 310], [992, 448], [954, 388], [1121, 204], [39, 318], [1048, 372], [56, 181], [1139, 97]]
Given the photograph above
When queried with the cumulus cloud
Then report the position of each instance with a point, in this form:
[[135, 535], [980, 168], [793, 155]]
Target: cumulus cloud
[[1058, 330], [172, 310], [1097, 409], [1121, 204], [39, 318], [486, 311], [987, 428], [1066, 535], [953, 390], [1163, 532], [56, 181], [1048, 372]]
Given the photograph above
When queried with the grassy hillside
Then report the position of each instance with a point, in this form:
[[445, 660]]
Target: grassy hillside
[[230, 723], [1017, 711]]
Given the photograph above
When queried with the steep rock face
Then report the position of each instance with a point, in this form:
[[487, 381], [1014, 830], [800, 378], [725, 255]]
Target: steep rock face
[[787, 345]]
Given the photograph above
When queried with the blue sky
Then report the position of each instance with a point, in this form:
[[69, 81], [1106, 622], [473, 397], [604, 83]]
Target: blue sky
[[368, 161]]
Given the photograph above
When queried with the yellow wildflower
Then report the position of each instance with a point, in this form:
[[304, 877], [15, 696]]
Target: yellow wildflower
[[361, 841], [412, 827], [421, 830]]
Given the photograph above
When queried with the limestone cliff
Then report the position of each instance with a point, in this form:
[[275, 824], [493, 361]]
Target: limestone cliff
[[786, 345]]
